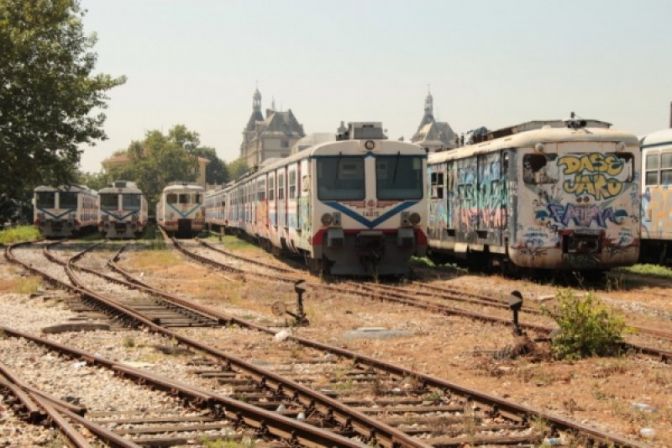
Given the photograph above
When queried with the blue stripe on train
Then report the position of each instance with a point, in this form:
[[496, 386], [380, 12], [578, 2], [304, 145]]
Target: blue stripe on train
[[364, 221]]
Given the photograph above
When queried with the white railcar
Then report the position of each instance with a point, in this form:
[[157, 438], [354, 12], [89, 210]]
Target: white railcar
[[353, 206], [180, 209], [64, 211], [657, 197], [548, 195], [123, 210]]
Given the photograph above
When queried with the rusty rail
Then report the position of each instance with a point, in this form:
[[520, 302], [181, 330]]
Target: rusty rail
[[487, 399]]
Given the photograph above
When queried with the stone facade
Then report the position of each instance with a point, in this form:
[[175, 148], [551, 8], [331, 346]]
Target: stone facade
[[268, 136], [431, 134]]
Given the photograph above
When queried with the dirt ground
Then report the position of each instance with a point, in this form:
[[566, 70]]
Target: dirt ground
[[622, 394]]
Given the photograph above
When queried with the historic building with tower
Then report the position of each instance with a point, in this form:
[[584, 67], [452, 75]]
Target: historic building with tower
[[431, 134], [269, 136]]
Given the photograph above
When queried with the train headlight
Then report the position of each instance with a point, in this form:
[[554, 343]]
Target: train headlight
[[620, 146], [327, 219], [414, 218], [539, 147]]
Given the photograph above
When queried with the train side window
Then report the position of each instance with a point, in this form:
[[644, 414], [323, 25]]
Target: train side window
[[197, 198], [261, 190], [627, 160], [537, 170], [281, 186], [666, 168], [271, 188], [437, 185], [292, 184], [652, 165]]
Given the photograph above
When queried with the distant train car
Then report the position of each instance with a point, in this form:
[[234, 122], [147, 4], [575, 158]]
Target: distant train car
[[180, 209], [123, 210], [64, 211], [548, 195], [657, 197], [355, 206]]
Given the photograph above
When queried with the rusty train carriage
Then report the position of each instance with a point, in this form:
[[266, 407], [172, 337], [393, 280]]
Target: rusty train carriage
[[657, 196], [544, 194], [355, 206]]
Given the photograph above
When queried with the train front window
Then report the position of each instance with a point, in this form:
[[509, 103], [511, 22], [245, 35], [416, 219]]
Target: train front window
[[171, 198], [340, 178], [131, 201], [197, 198], [538, 170], [108, 201], [399, 177], [184, 198], [68, 199], [45, 199]]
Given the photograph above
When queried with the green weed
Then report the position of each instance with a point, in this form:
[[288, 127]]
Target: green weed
[[19, 234], [654, 270], [587, 327]]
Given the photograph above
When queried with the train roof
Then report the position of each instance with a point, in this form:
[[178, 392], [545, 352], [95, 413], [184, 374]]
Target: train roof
[[658, 138], [181, 186], [121, 186], [71, 188], [544, 134]]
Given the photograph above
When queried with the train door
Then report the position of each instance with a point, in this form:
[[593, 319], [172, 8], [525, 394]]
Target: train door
[[450, 197], [304, 200], [491, 201], [437, 203], [466, 201]]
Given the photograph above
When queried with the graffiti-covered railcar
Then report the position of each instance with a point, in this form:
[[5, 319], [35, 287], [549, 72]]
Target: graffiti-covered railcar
[[544, 194], [657, 197]]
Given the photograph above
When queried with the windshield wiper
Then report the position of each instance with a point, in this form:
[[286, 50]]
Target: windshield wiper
[[396, 165]]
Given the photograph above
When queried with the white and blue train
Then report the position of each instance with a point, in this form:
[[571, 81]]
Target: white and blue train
[[64, 211], [123, 210], [352, 206], [180, 209]]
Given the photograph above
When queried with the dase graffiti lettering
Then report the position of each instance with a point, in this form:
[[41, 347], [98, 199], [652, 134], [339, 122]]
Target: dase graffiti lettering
[[594, 174]]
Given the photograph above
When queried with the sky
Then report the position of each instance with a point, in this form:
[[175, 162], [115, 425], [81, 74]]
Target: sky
[[487, 63]]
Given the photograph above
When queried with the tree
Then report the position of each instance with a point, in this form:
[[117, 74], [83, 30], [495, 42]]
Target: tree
[[237, 168], [50, 99]]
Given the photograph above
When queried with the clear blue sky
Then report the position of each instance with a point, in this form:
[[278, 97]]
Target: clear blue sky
[[489, 63]]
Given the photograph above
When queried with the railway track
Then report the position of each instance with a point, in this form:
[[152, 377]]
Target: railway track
[[194, 415], [409, 297], [435, 411]]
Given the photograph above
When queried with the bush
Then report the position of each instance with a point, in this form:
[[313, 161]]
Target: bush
[[587, 327], [18, 234]]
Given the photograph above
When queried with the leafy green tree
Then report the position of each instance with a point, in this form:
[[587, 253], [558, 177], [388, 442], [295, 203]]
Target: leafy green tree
[[95, 181], [237, 168], [51, 101]]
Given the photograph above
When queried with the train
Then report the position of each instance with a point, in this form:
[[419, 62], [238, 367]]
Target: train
[[353, 206], [657, 197], [64, 211], [180, 209], [550, 195], [123, 210]]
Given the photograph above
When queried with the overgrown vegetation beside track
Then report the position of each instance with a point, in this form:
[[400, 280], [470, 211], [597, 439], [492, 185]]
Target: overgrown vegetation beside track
[[654, 270], [587, 327], [19, 234]]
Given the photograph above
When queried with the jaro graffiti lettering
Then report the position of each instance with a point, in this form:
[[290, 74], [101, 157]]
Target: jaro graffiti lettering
[[592, 174]]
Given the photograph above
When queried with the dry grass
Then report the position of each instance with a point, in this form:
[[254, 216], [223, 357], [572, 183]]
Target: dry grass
[[20, 285], [154, 259]]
